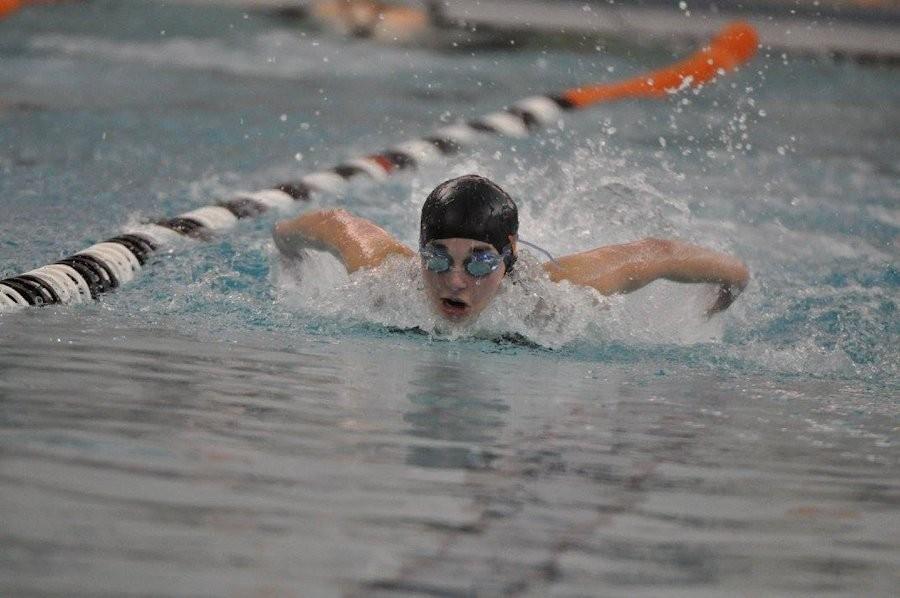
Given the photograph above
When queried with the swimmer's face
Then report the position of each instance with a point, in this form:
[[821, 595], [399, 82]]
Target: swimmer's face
[[456, 294]]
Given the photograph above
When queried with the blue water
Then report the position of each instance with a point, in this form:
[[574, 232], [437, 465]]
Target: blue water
[[202, 432]]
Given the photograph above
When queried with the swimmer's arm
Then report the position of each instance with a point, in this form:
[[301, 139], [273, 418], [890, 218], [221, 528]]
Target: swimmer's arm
[[628, 267], [357, 242]]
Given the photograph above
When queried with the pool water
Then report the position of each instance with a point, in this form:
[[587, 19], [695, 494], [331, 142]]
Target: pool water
[[224, 426]]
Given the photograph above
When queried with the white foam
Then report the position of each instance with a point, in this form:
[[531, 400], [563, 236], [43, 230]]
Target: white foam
[[889, 216], [529, 304]]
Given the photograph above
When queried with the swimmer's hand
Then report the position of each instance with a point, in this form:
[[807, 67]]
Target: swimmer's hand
[[725, 296]]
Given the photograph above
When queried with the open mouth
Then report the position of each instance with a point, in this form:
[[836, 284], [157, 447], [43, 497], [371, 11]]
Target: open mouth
[[453, 307], [455, 303]]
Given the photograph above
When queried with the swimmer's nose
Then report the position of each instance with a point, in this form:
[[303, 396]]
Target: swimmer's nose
[[457, 279]]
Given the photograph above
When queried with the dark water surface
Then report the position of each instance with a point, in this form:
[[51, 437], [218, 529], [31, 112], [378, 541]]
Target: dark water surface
[[152, 463]]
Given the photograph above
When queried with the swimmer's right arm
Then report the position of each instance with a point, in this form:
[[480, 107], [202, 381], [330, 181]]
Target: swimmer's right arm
[[357, 242]]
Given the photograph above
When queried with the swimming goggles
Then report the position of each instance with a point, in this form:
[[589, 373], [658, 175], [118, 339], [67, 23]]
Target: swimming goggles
[[479, 264]]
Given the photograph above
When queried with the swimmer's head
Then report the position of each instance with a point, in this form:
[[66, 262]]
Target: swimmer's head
[[467, 237], [471, 207]]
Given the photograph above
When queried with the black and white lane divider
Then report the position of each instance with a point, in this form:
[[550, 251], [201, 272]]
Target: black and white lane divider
[[107, 265]]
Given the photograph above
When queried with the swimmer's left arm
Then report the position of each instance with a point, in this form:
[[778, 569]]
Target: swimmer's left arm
[[628, 267]]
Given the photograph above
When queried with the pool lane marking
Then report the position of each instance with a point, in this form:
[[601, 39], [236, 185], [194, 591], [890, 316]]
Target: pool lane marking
[[11, 297], [505, 123], [96, 275], [120, 261], [78, 286], [460, 134], [104, 266], [69, 285], [418, 151], [215, 218], [538, 110], [35, 291], [157, 235], [374, 167], [272, 198], [327, 181], [140, 247]]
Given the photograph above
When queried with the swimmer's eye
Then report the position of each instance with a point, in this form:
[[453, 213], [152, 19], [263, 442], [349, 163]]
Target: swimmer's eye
[[480, 263], [436, 262]]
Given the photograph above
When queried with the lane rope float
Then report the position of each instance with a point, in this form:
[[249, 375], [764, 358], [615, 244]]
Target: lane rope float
[[105, 266]]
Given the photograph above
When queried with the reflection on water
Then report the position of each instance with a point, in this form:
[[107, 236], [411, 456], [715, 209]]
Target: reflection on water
[[158, 464], [466, 422]]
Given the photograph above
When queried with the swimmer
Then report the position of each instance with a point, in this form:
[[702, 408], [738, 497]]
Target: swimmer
[[373, 19], [425, 25], [468, 244]]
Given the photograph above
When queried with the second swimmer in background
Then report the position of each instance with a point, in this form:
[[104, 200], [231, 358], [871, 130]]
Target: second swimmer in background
[[376, 20], [468, 246]]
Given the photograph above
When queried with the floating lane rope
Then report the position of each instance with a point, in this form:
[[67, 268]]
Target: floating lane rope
[[105, 266]]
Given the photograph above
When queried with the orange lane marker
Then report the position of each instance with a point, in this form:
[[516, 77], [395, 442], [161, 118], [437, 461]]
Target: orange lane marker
[[734, 45], [9, 6]]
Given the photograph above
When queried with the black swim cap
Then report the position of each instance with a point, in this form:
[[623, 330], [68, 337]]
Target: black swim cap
[[470, 207]]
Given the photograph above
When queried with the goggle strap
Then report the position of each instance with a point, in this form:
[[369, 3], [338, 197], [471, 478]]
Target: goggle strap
[[541, 249]]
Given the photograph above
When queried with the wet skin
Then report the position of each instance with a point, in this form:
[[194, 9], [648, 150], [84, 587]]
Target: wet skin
[[456, 294]]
